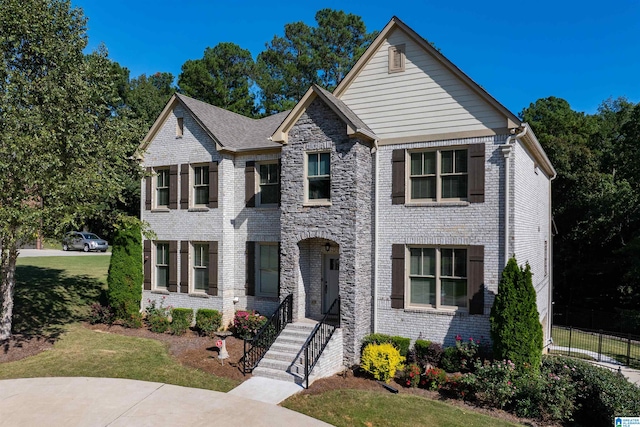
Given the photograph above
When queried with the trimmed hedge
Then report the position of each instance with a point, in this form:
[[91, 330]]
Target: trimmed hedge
[[208, 321], [125, 275], [181, 319]]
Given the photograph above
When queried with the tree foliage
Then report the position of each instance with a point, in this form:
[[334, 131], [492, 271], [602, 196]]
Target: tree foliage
[[125, 272], [596, 200], [222, 78], [62, 148], [306, 55], [147, 96], [515, 326]]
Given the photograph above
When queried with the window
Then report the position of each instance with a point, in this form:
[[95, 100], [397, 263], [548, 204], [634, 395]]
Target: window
[[318, 176], [162, 188], [200, 267], [438, 277], [162, 265], [201, 185], [269, 183], [439, 175], [268, 270], [180, 127], [396, 59]]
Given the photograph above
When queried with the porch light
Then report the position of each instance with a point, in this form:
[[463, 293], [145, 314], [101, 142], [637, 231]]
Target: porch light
[[327, 247]]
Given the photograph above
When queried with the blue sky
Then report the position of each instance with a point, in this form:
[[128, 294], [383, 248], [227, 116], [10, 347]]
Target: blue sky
[[582, 51]]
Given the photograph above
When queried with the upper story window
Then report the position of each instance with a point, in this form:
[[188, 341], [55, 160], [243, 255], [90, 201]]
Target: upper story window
[[200, 267], [179, 127], [162, 266], [318, 176], [439, 175], [396, 59], [438, 277], [162, 187], [269, 183], [201, 185]]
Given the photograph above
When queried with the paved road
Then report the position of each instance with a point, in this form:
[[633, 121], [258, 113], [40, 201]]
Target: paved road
[[56, 252], [88, 402]]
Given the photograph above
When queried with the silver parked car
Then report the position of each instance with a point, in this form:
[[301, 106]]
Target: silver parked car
[[82, 240]]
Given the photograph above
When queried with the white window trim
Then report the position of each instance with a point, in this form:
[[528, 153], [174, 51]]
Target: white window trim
[[439, 199], [192, 267], [258, 286], [192, 185], [407, 281], [257, 192], [315, 202], [154, 260], [154, 188]]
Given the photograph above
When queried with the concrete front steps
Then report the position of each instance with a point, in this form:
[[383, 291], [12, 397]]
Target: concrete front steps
[[285, 360]]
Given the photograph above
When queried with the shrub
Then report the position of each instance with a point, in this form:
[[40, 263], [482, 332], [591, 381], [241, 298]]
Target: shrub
[[381, 361], [134, 320], [157, 316], [100, 314], [549, 396], [181, 319], [457, 386], [208, 321], [515, 327], [412, 373], [450, 361], [432, 354], [248, 323], [495, 382], [125, 274], [401, 343], [433, 379], [462, 357]]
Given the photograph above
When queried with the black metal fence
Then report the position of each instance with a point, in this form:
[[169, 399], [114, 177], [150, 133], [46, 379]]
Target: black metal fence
[[598, 345], [319, 338]]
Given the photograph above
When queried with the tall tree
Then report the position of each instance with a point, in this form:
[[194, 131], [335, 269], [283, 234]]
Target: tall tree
[[222, 78], [58, 160], [307, 55], [147, 96]]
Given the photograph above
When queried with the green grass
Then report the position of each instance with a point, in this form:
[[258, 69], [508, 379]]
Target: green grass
[[380, 409], [54, 291], [610, 346], [81, 352]]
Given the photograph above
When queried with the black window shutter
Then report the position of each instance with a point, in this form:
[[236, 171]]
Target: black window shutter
[[476, 173], [397, 276], [213, 269], [184, 186], [213, 184], [147, 264], [147, 189], [250, 184], [173, 266], [279, 259], [279, 181], [476, 280], [184, 267], [398, 177], [173, 187], [250, 285]]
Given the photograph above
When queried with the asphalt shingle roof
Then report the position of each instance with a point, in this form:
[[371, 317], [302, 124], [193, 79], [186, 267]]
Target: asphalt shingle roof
[[232, 130]]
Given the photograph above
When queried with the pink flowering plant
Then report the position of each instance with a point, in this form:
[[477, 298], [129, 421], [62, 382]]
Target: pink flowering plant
[[248, 323]]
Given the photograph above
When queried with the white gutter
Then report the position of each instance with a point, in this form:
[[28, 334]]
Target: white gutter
[[375, 238], [507, 148], [550, 268]]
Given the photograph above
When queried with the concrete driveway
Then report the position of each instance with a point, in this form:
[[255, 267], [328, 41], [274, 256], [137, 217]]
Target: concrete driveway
[[88, 402], [56, 252]]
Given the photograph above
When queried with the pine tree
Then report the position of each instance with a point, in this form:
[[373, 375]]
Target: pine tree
[[515, 327]]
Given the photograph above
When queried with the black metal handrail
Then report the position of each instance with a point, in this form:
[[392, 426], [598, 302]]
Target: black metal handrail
[[318, 340], [256, 347]]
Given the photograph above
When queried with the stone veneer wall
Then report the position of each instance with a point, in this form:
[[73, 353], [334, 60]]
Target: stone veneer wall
[[347, 221]]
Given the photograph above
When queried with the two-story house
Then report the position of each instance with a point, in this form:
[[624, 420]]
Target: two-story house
[[404, 192]]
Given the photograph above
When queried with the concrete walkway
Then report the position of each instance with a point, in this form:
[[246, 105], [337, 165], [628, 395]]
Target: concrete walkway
[[266, 390], [99, 402]]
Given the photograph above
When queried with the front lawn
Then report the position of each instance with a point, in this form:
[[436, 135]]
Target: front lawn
[[81, 352], [369, 408]]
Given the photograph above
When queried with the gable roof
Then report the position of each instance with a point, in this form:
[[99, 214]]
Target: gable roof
[[230, 131], [355, 126], [396, 23]]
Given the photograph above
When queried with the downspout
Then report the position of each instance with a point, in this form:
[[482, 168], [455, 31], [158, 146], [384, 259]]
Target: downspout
[[375, 238], [550, 264], [507, 148]]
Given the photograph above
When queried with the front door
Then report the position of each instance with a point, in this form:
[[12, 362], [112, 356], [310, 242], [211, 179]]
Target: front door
[[331, 288]]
